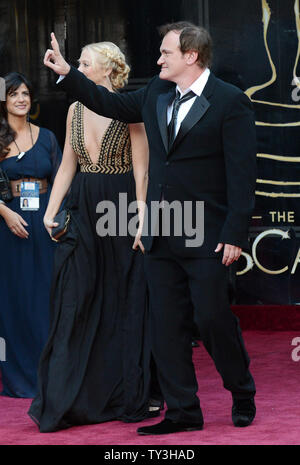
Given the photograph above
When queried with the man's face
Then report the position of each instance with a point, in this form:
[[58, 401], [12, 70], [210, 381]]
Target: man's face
[[172, 61]]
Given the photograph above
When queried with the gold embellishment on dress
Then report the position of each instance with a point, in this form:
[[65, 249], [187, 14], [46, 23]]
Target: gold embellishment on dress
[[115, 151], [105, 169]]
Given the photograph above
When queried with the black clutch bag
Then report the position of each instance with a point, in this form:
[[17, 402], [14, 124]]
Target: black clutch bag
[[63, 220], [5, 188]]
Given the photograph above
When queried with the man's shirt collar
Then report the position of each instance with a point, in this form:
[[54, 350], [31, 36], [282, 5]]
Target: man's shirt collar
[[198, 85]]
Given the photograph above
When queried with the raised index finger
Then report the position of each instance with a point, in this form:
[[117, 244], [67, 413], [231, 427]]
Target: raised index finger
[[54, 44]]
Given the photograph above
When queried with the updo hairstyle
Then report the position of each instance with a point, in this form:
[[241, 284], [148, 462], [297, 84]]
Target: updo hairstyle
[[108, 55]]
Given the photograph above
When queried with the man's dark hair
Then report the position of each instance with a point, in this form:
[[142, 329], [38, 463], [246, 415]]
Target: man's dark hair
[[192, 37]]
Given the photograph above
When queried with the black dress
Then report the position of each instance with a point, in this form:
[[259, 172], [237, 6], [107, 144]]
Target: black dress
[[96, 364]]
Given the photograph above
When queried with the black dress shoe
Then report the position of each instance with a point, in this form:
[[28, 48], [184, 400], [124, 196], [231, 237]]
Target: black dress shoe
[[168, 427], [243, 412], [194, 343]]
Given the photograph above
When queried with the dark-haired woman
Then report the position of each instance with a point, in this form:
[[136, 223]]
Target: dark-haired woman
[[30, 156]]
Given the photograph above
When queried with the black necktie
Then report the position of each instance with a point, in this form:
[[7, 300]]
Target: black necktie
[[177, 102]]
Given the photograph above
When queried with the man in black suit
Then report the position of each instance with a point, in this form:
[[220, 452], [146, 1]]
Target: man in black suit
[[202, 149]]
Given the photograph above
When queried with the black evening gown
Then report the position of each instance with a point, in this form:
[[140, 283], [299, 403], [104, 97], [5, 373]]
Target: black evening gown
[[95, 366]]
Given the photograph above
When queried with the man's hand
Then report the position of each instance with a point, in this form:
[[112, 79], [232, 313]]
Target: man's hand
[[137, 242], [54, 59], [231, 253]]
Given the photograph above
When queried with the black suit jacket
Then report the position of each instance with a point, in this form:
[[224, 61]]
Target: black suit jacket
[[213, 158]]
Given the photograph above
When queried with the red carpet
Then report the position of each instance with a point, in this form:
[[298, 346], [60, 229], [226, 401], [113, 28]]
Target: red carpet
[[277, 422], [268, 317]]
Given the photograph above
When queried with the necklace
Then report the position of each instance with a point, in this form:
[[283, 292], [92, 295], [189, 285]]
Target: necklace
[[21, 154]]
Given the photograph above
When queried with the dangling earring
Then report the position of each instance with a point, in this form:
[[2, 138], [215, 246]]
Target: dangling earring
[[27, 117]]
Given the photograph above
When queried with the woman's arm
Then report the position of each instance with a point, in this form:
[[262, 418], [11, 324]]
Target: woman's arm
[[63, 178], [140, 163]]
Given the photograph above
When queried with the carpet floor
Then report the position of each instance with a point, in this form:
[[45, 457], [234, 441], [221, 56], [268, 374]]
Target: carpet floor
[[277, 378]]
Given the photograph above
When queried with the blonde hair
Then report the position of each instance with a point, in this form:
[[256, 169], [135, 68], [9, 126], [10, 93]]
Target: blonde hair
[[109, 55]]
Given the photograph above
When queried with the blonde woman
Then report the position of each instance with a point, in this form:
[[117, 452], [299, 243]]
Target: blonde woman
[[95, 366]]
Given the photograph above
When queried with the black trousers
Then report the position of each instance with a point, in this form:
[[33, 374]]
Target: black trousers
[[178, 286]]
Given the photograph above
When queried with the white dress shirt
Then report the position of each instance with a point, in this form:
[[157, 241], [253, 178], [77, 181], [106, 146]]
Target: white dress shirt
[[197, 87], [60, 79]]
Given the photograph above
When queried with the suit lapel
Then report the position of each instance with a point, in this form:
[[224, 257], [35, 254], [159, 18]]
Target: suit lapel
[[197, 111], [161, 107]]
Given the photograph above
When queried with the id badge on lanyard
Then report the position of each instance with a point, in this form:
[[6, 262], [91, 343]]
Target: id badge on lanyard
[[30, 196]]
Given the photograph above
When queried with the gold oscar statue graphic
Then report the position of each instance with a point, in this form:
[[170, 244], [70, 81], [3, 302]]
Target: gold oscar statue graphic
[[276, 119]]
